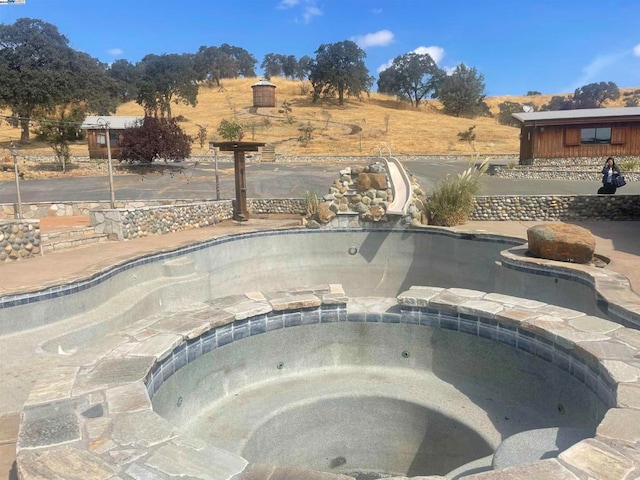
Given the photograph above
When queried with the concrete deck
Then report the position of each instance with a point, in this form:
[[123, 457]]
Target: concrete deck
[[19, 364]]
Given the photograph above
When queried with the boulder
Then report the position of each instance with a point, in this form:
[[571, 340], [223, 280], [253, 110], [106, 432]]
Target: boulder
[[324, 213], [376, 181], [561, 242]]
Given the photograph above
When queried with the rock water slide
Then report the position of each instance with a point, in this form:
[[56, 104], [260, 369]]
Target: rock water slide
[[400, 185]]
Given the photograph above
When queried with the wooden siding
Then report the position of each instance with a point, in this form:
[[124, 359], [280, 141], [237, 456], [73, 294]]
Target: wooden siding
[[563, 141], [97, 149]]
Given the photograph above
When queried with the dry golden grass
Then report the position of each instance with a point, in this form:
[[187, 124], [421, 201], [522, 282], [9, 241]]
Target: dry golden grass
[[356, 128]]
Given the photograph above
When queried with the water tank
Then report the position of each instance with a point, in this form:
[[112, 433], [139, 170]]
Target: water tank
[[264, 94]]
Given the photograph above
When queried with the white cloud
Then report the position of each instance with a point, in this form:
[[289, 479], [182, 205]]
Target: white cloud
[[636, 50], [376, 11], [593, 72], [288, 3], [309, 12], [436, 53], [377, 39], [384, 66], [309, 8], [115, 51]]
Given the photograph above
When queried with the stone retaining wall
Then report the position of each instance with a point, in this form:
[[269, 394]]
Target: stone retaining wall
[[19, 239], [130, 223], [556, 207], [141, 220]]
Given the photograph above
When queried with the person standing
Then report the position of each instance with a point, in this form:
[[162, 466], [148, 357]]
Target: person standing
[[609, 173]]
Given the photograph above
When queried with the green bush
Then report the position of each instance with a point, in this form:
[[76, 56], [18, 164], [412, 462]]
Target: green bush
[[628, 165], [313, 200], [452, 199]]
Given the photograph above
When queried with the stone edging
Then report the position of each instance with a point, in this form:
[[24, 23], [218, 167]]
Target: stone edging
[[93, 414], [19, 239]]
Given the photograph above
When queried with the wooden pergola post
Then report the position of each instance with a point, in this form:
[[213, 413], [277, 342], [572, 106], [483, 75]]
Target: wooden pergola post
[[239, 148]]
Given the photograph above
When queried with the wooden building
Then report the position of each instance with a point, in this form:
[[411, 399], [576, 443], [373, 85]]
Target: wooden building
[[592, 132], [97, 128]]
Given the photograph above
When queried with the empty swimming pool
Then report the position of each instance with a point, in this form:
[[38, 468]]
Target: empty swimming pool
[[250, 363]]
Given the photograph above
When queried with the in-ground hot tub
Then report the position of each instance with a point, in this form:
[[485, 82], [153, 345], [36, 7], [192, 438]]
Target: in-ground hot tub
[[443, 388], [371, 398]]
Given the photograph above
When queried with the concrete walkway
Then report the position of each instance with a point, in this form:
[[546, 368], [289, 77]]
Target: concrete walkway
[[20, 363]]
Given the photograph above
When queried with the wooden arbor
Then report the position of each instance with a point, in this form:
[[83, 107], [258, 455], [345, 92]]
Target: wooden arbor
[[240, 213]]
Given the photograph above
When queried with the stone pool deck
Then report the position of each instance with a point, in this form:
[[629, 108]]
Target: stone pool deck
[[21, 365]]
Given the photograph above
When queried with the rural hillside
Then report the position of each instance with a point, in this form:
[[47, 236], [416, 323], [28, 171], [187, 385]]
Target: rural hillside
[[356, 128]]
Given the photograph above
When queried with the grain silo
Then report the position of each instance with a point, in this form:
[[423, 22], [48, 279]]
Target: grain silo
[[264, 94]]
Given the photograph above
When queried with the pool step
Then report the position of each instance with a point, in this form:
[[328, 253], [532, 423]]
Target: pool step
[[70, 238], [178, 267]]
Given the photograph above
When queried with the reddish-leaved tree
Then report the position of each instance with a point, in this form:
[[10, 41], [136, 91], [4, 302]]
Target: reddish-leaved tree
[[154, 139]]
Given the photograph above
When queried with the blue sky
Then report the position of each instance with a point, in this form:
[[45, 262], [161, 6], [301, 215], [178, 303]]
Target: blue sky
[[552, 46]]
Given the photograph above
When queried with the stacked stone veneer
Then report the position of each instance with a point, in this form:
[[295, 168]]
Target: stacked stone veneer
[[365, 192], [19, 239], [130, 223], [94, 414], [581, 168], [140, 221], [556, 207]]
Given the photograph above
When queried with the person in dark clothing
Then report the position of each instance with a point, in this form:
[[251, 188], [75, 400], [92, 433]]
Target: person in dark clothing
[[609, 173]]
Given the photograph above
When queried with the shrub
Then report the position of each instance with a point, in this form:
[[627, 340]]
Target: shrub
[[231, 130], [154, 138], [452, 199], [313, 200], [628, 165]]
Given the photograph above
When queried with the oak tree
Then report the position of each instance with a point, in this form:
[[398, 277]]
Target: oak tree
[[412, 77], [339, 68]]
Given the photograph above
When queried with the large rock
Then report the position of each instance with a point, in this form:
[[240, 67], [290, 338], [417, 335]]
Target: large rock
[[376, 181], [324, 213], [562, 242]]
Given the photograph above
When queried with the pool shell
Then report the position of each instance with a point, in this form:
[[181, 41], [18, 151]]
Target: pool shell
[[95, 414]]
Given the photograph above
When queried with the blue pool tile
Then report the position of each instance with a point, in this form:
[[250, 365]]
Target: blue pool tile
[[428, 319], [487, 331], [562, 360], [449, 323], [410, 317], [208, 341], [357, 317], [167, 368], [310, 316], [467, 325], [544, 350], [506, 336], [240, 330], [180, 357], [578, 370], [373, 317], [224, 335], [194, 349], [390, 318], [329, 315], [292, 319], [258, 325], [275, 322], [526, 343]]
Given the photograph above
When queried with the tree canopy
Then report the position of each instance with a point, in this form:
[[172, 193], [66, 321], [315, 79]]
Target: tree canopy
[[40, 71], [412, 77], [272, 65], [126, 77], [339, 68], [166, 79], [593, 95], [462, 92]]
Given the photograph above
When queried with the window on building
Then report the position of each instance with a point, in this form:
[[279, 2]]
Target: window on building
[[595, 135], [101, 139]]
